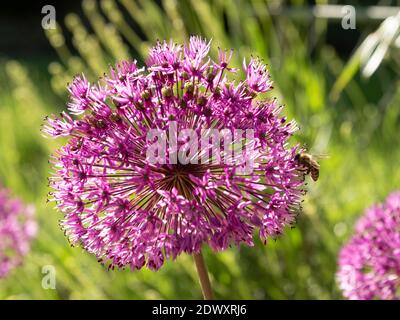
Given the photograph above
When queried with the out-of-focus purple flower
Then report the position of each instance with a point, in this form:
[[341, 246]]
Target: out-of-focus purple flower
[[17, 229], [369, 264], [132, 212]]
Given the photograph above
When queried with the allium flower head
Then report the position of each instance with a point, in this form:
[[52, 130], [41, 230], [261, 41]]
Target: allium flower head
[[17, 229], [130, 211], [369, 264]]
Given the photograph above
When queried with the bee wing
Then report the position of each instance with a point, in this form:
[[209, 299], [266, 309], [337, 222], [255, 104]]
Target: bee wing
[[320, 156]]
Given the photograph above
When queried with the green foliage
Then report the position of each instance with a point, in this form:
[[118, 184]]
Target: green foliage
[[356, 123]]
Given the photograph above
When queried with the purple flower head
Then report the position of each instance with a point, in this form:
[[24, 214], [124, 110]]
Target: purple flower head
[[80, 95], [133, 210], [17, 229], [369, 264], [257, 76]]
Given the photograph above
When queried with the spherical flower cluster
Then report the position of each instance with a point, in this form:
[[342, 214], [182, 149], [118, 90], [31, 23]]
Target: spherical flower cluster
[[130, 211], [17, 229], [369, 265]]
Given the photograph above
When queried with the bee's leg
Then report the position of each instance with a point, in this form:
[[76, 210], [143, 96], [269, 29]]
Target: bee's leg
[[304, 172]]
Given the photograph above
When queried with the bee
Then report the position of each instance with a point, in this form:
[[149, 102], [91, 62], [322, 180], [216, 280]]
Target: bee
[[308, 164]]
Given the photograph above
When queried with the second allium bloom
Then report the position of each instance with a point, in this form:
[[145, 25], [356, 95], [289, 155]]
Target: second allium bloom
[[369, 264], [130, 211], [17, 229]]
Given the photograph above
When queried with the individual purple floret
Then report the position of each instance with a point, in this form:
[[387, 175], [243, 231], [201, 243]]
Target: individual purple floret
[[369, 265], [130, 211], [17, 229]]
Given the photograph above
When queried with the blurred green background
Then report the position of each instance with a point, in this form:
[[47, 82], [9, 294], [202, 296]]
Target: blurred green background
[[342, 86]]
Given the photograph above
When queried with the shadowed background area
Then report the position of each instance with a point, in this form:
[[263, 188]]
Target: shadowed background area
[[343, 92]]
